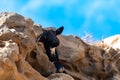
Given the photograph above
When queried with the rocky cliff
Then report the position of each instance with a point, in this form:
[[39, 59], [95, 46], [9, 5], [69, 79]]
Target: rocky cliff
[[22, 58]]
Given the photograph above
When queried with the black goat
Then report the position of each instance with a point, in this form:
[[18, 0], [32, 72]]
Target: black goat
[[50, 41]]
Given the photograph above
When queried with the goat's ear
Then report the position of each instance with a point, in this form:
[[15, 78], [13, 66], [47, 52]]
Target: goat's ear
[[59, 30]]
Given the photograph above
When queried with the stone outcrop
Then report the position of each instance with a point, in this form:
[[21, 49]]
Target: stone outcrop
[[17, 39], [112, 41], [22, 58]]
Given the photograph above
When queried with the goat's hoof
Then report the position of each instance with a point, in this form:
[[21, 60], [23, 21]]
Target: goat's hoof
[[61, 70]]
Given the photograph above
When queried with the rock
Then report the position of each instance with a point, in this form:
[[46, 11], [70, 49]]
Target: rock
[[71, 53], [12, 66], [17, 40], [111, 45], [37, 28], [112, 41], [60, 76], [86, 62], [14, 20]]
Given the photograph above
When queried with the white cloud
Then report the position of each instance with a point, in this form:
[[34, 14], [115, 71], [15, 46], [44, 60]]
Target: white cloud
[[6, 5], [94, 8], [31, 5], [36, 4], [89, 10]]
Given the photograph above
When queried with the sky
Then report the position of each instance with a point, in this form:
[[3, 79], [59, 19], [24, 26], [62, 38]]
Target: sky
[[99, 18]]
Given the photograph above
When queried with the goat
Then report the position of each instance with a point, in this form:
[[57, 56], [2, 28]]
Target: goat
[[50, 41]]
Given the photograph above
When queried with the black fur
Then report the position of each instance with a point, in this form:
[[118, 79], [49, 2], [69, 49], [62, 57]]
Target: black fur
[[50, 40]]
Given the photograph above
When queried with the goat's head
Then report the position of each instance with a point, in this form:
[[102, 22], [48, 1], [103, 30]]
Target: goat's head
[[49, 37]]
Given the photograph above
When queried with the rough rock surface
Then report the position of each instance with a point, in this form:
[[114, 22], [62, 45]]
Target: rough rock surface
[[22, 58], [60, 76], [112, 41], [17, 39]]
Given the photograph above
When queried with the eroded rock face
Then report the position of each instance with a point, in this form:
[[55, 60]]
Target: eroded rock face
[[17, 40], [87, 62], [112, 41], [22, 58]]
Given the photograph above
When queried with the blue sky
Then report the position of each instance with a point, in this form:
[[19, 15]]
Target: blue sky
[[100, 18]]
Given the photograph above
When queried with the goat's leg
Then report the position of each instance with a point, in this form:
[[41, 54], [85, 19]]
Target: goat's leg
[[57, 63], [48, 52], [50, 56]]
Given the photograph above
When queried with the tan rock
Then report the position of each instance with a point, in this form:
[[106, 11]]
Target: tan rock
[[71, 49], [112, 41], [60, 76], [83, 61], [17, 40], [14, 20], [12, 66], [40, 61], [37, 29]]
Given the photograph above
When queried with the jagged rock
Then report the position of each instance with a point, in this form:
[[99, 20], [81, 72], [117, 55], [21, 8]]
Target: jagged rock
[[37, 29], [22, 58], [14, 20], [17, 39], [112, 56], [86, 62], [13, 66], [113, 41]]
